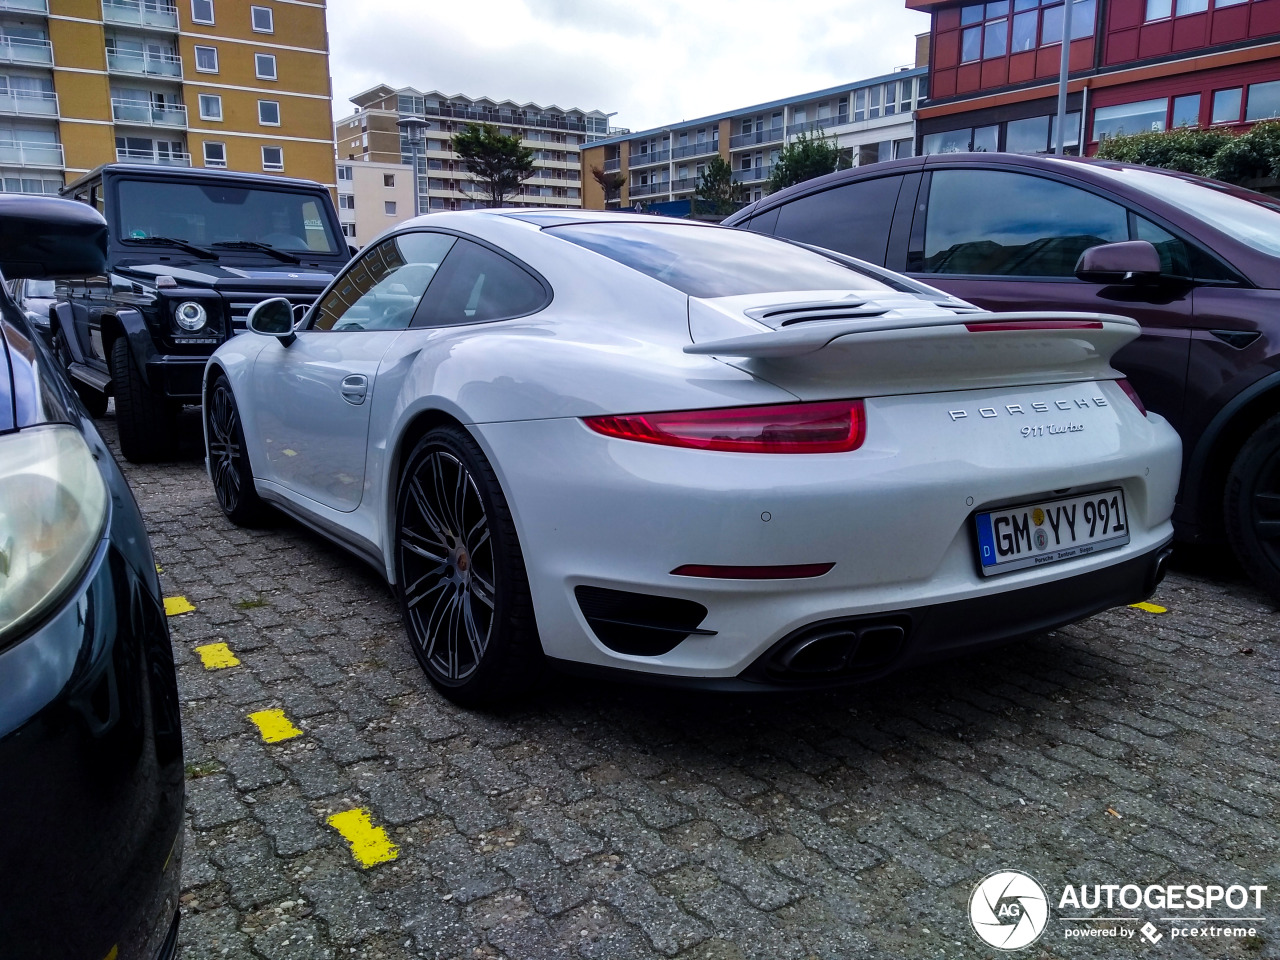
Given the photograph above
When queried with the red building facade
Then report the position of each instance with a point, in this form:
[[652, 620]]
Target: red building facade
[[1136, 65]]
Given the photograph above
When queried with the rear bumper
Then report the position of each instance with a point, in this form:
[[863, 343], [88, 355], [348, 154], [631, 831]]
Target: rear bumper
[[929, 633]]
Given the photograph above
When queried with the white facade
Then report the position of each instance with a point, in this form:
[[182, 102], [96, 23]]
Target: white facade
[[373, 197]]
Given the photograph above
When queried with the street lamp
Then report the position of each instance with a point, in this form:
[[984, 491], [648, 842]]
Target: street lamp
[[415, 131]]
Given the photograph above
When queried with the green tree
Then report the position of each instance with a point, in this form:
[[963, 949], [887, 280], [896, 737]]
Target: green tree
[[806, 157], [1232, 158], [610, 183], [500, 163], [1188, 150], [716, 187]]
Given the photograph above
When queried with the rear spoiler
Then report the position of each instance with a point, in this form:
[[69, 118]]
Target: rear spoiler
[[814, 335]]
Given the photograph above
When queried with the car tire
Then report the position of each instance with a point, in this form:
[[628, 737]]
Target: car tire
[[147, 422], [1253, 507], [460, 574], [228, 458]]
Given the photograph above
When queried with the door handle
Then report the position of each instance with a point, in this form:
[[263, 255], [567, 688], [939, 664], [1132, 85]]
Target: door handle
[[354, 388]]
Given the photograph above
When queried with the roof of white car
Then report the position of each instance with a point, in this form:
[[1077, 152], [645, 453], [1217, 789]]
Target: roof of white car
[[546, 218]]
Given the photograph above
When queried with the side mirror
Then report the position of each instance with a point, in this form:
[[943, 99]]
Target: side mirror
[[273, 318], [1132, 261], [44, 238]]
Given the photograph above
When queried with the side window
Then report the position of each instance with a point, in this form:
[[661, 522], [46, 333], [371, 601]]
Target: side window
[[381, 290], [852, 219], [1178, 258], [991, 223], [474, 285]]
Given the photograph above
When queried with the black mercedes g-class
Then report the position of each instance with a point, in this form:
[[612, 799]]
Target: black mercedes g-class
[[189, 253]]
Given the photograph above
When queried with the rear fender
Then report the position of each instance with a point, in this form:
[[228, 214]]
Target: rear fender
[[62, 318]]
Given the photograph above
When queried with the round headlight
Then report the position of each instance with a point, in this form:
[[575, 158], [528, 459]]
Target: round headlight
[[191, 316]]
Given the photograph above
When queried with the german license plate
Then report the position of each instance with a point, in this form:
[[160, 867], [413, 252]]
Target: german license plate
[[1034, 534]]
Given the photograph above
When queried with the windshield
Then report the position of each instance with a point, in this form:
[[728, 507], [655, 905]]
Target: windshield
[[715, 262], [1251, 218], [40, 289], [209, 213]]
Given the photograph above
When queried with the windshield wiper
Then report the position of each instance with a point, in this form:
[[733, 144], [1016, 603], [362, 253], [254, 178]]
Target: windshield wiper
[[172, 242], [257, 245]]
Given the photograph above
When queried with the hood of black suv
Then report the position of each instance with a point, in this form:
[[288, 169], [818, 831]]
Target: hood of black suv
[[281, 276]]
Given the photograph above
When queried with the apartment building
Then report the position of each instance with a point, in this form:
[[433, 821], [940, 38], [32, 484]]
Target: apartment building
[[555, 135], [1135, 65], [871, 120], [373, 197], [238, 84]]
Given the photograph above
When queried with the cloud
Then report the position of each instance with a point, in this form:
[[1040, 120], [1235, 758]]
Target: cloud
[[655, 63]]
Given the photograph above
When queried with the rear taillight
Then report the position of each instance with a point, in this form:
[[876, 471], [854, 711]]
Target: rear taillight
[[1127, 387], [826, 427]]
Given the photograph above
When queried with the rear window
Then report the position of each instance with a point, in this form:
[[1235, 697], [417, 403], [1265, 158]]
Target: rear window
[[714, 262]]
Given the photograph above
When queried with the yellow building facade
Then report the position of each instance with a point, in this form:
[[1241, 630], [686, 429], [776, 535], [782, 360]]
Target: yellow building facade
[[226, 84]]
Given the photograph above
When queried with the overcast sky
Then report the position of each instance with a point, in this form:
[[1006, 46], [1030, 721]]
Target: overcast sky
[[653, 61]]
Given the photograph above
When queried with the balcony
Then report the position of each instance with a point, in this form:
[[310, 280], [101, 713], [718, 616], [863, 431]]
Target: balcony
[[613, 166], [137, 13], [18, 153], [148, 114], [701, 149], [645, 159], [28, 103], [772, 135], [685, 183], [145, 64], [809, 126], [25, 6], [753, 174], [649, 189], [170, 158], [22, 50]]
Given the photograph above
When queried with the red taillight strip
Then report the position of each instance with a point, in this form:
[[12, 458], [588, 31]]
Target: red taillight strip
[[998, 325], [827, 426], [1132, 394], [794, 571]]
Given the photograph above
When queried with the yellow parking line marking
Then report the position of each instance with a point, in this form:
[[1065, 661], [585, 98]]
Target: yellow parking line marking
[[370, 844], [1149, 607], [274, 726], [217, 656], [176, 605]]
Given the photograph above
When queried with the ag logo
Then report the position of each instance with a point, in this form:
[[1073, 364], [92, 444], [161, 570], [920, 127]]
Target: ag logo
[[1008, 910]]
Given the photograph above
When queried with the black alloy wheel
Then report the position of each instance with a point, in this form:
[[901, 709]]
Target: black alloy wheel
[[147, 421], [229, 460], [1253, 507], [460, 573]]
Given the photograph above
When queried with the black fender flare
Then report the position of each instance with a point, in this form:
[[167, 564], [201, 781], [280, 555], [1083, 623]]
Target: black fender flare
[[1198, 462], [141, 345], [62, 319]]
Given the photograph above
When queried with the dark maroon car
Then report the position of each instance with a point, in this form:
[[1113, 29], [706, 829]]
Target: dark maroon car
[[1195, 261]]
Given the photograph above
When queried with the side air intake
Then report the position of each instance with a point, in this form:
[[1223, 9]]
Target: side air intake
[[640, 624]]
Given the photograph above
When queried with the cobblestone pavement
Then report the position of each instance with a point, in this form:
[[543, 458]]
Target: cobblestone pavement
[[601, 821]]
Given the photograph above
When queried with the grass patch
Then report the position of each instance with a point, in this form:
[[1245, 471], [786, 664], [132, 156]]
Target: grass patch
[[250, 604], [202, 769]]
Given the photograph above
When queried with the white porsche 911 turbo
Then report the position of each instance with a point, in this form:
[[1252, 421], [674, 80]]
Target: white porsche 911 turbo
[[627, 443]]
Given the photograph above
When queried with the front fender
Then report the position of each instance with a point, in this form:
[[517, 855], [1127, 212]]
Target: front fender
[[141, 345]]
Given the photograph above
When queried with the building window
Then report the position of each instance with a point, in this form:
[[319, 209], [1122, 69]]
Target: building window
[[388, 179], [349, 231], [1226, 105], [210, 107], [1186, 111], [273, 158], [346, 201], [206, 59], [265, 65], [215, 154], [269, 113], [202, 11], [1164, 9], [344, 172], [263, 20], [1264, 101], [1145, 116], [988, 30], [390, 207]]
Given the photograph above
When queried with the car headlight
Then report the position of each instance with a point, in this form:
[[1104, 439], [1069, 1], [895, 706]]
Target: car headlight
[[53, 506], [191, 316]]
